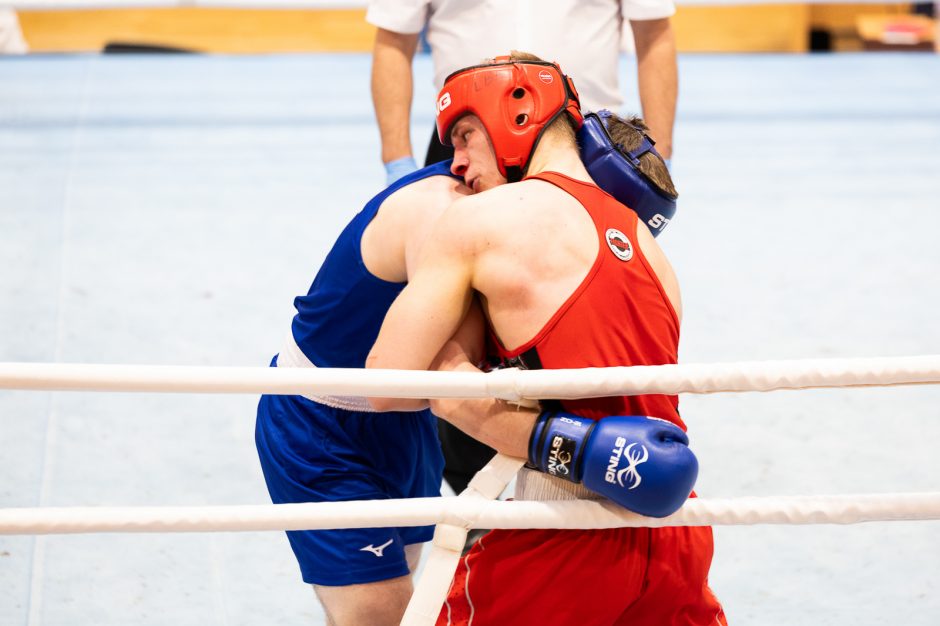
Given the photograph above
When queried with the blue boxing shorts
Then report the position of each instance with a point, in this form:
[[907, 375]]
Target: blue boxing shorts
[[311, 452]]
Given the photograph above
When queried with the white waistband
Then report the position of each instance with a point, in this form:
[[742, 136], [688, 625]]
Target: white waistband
[[533, 485], [292, 356]]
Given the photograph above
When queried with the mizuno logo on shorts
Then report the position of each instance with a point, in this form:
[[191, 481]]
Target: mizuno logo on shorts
[[377, 551]]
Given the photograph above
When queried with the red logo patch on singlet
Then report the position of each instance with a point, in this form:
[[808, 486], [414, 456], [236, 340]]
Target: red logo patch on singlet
[[619, 244]]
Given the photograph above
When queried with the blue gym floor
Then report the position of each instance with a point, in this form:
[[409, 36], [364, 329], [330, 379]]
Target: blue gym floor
[[166, 209]]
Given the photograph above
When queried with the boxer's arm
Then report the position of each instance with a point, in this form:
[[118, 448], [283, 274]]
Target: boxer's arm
[[502, 426], [430, 309], [466, 346]]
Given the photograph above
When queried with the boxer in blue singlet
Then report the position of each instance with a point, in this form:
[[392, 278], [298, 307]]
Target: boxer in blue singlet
[[330, 448]]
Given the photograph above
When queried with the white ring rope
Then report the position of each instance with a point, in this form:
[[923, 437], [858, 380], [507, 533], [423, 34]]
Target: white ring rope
[[564, 514], [507, 384], [476, 507]]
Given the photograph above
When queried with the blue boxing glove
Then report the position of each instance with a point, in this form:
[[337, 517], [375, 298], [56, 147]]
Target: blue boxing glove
[[642, 463], [398, 168]]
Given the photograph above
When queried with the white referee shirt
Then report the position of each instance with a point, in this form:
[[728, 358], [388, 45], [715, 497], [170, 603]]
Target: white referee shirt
[[583, 36]]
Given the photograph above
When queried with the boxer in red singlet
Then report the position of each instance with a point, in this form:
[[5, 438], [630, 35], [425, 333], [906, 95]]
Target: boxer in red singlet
[[620, 314], [565, 278]]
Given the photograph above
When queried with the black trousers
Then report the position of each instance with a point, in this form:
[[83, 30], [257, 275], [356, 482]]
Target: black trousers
[[437, 151], [464, 456]]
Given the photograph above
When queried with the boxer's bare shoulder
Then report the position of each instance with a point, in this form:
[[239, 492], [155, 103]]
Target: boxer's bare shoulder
[[392, 242]]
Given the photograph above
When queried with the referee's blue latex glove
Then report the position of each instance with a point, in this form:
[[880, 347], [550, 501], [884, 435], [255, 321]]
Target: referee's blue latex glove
[[398, 168]]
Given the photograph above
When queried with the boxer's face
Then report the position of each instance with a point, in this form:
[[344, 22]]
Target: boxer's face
[[474, 158]]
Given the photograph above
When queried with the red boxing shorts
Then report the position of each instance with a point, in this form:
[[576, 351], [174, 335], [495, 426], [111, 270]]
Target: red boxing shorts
[[616, 576]]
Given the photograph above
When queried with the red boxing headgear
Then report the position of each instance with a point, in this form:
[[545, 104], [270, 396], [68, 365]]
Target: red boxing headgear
[[515, 101]]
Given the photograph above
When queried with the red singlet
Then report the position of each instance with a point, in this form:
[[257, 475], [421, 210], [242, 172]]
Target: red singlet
[[619, 315]]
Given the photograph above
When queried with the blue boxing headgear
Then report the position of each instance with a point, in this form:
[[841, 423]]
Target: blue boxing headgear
[[618, 172]]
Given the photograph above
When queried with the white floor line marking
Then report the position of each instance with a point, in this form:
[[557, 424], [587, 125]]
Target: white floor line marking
[[37, 569]]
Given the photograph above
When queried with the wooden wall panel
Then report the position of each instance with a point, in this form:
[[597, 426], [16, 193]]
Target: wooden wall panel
[[202, 29], [755, 28]]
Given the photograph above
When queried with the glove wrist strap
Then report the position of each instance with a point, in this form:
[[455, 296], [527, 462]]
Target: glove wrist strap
[[556, 444]]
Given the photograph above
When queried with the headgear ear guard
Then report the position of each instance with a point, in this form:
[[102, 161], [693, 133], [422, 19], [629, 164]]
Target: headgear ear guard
[[617, 172], [515, 101]]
